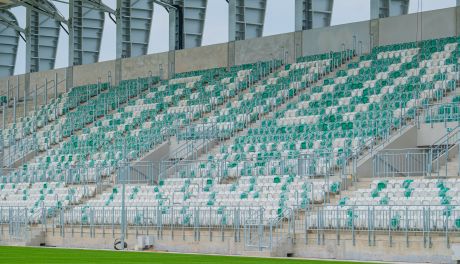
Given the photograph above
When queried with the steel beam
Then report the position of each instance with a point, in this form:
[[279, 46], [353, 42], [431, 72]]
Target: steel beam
[[186, 23], [43, 7], [86, 25], [98, 4], [246, 19], [42, 35], [175, 36], [134, 20], [9, 40], [194, 17], [313, 14]]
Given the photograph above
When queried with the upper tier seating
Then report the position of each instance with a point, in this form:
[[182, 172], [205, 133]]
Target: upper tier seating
[[251, 106], [136, 127], [354, 109], [47, 114]]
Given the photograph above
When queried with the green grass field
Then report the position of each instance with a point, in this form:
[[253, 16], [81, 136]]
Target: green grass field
[[55, 255]]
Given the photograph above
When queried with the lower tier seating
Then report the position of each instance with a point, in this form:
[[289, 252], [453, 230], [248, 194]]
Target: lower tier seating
[[36, 197], [272, 194]]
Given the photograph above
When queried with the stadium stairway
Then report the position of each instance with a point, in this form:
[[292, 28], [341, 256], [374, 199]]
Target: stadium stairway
[[212, 147], [204, 147], [280, 107]]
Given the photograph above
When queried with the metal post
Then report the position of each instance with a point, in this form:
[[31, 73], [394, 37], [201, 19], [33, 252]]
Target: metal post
[[123, 212], [45, 101], [17, 88], [35, 98], [353, 225], [8, 91], [14, 109], [4, 116], [25, 102], [55, 85], [354, 43]]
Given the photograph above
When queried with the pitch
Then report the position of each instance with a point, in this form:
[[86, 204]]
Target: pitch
[[57, 255]]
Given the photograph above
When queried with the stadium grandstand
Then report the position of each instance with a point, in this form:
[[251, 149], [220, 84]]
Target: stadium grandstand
[[330, 142]]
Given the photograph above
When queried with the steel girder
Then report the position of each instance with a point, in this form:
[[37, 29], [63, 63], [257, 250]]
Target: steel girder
[[388, 8], [194, 16], [86, 24], [186, 23], [313, 14], [134, 20], [9, 40], [42, 34], [246, 19]]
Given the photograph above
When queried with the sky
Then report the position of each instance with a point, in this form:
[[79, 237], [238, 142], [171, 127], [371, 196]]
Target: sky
[[279, 18]]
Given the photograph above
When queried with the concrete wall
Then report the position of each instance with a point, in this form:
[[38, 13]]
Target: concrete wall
[[457, 16], [428, 134], [323, 40], [145, 66], [39, 79], [90, 73], [412, 27], [407, 139], [266, 48], [201, 58], [13, 81], [222, 242]]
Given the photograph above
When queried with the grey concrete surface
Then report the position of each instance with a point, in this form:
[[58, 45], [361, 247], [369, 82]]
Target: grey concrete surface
[[428, 134], [208, 57], [322, 40], [419, 26], [266, 48]]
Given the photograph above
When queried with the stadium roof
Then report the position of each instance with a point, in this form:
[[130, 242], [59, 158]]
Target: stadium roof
[[6, 3]]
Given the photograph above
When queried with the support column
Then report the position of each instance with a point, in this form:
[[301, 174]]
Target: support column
[[28, 40], [118, 71], [26, 93], [457, 11], [231, 20], [374, 34], [298, 45], [231, 54], [171, 64], [174, 37], [68, 78], [70, 25], [119, 32]]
